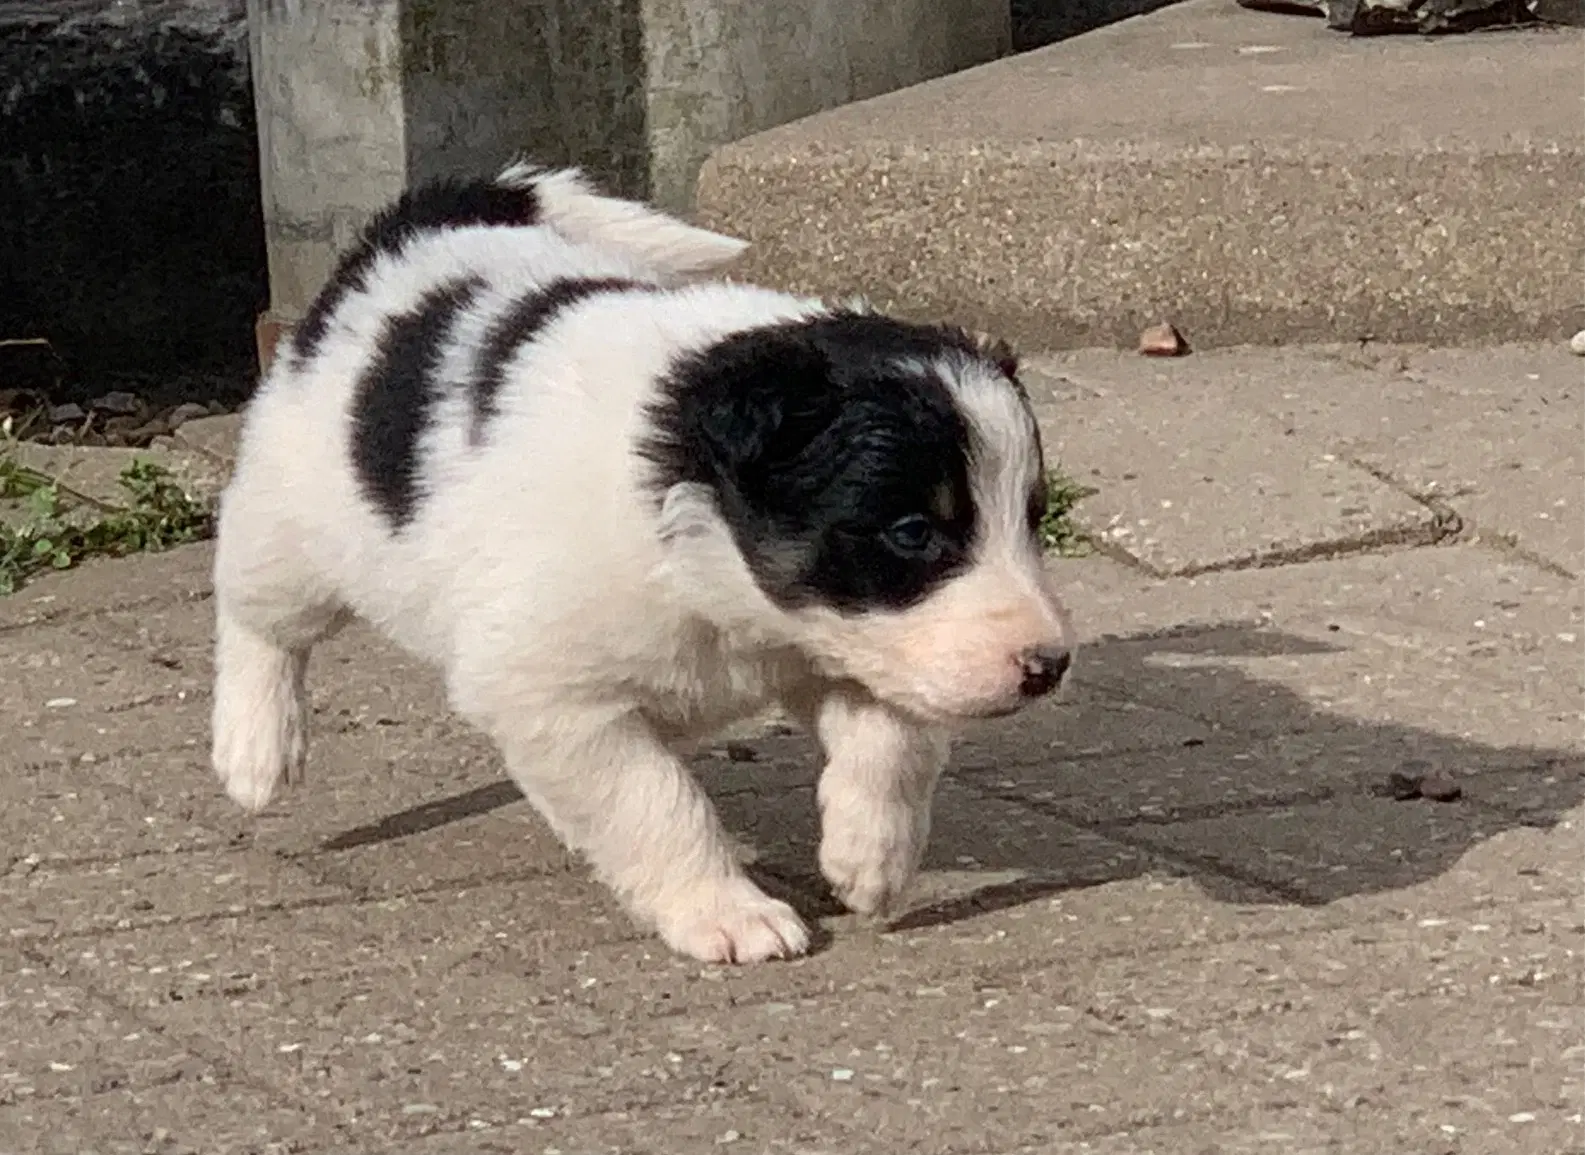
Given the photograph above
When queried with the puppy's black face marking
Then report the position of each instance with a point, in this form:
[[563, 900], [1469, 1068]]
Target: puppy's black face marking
[[520, 324], [448, 204], [395, 400], [837, 454]]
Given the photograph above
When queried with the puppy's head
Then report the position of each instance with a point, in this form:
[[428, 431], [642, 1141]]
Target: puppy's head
[[870, 492]]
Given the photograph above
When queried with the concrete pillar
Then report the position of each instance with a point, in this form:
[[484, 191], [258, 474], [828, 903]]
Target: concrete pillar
[[358, 98]]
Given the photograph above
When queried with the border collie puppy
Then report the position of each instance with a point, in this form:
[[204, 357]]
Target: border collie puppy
[[621, 506]]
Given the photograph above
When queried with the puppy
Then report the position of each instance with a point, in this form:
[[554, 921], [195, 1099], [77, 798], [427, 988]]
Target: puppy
[[621, 507]]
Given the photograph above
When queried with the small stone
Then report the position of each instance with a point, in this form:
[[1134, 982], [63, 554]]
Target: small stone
[[1440, 788], [66, 414], [19, 401], [842, 1075], [120, 403], [1576, 344], [122, 430], [1162, 341], [1403, 787], [185, 412]]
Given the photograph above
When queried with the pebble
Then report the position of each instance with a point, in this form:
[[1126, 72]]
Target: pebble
[[185, 412], [1576, 344], [1403, 787], [1440, 788], [66, 414], [1162, 340], [1433, 786], [117, 402]]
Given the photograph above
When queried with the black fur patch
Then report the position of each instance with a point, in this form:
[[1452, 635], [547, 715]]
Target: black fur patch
[[394, 401], [820, 439], [521, 323], [451, 204]]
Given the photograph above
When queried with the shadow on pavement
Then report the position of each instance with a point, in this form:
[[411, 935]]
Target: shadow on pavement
[[1275, 801]]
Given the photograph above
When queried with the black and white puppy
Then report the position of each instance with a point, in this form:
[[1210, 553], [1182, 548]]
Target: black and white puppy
[[621, 507]]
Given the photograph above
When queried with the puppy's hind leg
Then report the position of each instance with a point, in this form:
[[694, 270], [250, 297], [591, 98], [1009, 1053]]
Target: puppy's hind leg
[[270, 610]]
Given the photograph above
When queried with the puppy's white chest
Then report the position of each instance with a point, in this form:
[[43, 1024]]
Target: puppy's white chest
[[709, 686]]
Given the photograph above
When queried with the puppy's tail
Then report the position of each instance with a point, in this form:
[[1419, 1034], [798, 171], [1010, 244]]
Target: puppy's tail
[[576, 210]]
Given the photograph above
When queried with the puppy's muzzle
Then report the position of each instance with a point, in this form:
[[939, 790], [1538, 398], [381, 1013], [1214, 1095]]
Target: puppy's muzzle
[[1043, 670]]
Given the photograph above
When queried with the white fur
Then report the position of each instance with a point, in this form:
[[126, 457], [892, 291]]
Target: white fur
[[574, 209], [594, 639]]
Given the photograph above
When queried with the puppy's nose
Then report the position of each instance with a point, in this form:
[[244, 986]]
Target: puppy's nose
[[1043, 668]]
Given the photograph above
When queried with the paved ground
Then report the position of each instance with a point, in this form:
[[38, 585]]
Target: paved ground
[[1177, 914]]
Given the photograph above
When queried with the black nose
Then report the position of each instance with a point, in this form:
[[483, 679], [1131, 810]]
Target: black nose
[[1043, 669]]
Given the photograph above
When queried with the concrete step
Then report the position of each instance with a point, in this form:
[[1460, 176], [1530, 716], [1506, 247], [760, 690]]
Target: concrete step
[[1252, 177]]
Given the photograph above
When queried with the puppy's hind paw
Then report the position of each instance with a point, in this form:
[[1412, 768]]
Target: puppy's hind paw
[[738, 924], [255, 748]]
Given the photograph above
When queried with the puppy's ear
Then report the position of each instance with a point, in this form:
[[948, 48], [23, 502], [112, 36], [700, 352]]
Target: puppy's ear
[[777, 399]]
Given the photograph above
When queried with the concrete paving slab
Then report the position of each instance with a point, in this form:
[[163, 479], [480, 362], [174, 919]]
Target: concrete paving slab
[[1355, 640], [99, 586], [1497, 434], [403, 1056], [182, 1119], [44, 901], [1322, 852], [1493, 435], [260, 957], [1248, 176], [214, 437], [60, 1041], [74, 816], [1164, 462]]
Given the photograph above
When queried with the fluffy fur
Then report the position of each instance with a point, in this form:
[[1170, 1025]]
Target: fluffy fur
[[620, 508]]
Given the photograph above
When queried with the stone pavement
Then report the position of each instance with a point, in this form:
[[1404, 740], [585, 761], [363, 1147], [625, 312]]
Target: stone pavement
[[1180, 913]]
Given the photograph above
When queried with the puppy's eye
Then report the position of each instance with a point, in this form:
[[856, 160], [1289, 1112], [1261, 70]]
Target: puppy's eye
[[913, 536]]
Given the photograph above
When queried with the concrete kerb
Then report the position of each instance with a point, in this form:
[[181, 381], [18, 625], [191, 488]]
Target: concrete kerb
[[1252, 178]]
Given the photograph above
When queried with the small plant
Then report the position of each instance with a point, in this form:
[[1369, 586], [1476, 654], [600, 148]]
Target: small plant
[[1057, 531], [59, 527]]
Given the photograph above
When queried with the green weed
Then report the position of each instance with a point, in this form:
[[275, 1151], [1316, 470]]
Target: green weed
[[1057, 531], [58, 527]]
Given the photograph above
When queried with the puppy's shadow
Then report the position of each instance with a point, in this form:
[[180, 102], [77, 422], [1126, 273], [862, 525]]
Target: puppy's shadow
[[1167, 759], [1171, 759]]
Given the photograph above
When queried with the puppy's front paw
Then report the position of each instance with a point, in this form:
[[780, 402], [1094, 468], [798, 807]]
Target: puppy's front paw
[[871, 858], [738, 923]]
